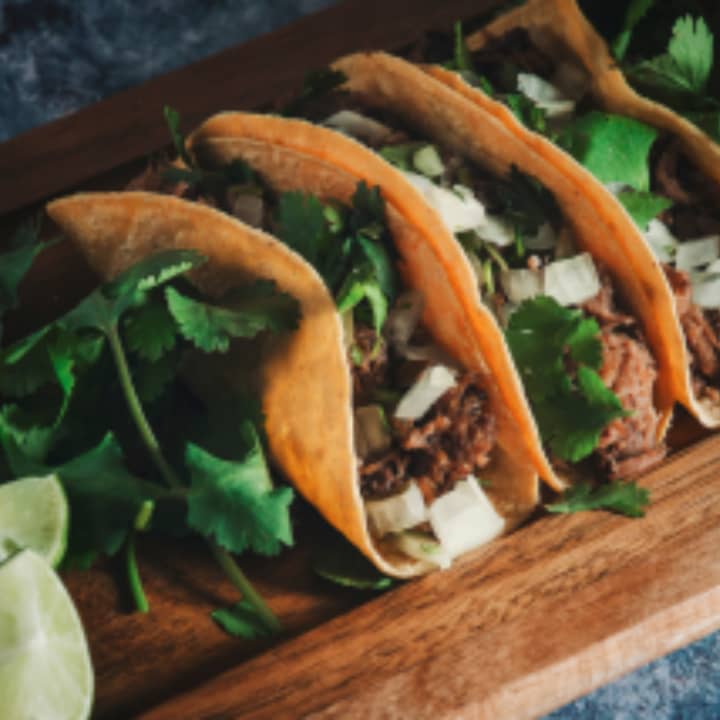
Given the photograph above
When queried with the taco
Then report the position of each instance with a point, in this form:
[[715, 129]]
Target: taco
[[538, 242], [544, 67], [402, 438]]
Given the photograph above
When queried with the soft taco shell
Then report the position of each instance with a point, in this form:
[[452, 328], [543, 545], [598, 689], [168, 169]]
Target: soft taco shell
[[306, 383], [441, 104], [559, 28]]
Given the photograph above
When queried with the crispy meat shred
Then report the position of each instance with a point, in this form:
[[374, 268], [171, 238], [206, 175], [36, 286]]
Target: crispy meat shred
[[451, 441], [628, 446], [702, 334]]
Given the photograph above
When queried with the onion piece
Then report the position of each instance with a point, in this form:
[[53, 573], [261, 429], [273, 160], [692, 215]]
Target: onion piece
[[458, 213], [423, 546], [246, 206], [662, 242], [464, 518], [496, 230], [572, 281], [521, 284], [372, 432], [430, 386], [544, 95], [428, 162], [397, 512], [694, 254], [706, 290], [358, 126]]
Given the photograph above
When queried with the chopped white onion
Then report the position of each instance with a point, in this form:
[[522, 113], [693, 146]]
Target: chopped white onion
[[464, 518], [544, 95], [497, 231], [358, 126], [430, 386], [422, 546], [397, 512], [706, 289], [459, 210], [521, 284], [662, 242], [572, 281], [694, 254], [545, 239], [372, 433]]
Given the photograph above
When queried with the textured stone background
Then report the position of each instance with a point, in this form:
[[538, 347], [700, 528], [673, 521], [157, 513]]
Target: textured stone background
[[58, 55]]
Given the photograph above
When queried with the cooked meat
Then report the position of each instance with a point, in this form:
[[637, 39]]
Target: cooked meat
[[153, 179], [453, 440], [628, 445], [369, 362], [602, 306], [702, 335]]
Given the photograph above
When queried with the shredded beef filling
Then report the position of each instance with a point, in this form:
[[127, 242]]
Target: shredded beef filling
[[627, 446], [453, 440], [702, 334]]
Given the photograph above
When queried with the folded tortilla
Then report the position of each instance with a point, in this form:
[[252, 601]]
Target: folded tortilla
[[305, 381], [560, 30]]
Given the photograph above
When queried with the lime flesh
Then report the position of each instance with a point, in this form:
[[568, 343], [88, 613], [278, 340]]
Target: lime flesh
[[45, 667], [34, 514]]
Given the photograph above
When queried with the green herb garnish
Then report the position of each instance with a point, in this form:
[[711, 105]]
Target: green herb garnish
[[572, 407], [624, 498]]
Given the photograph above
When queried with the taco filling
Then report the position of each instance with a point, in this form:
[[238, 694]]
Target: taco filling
[[424, 428], [671, 202], [534, 278]]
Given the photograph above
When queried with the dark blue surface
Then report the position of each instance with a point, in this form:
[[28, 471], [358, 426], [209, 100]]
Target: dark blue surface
[[59, 55]]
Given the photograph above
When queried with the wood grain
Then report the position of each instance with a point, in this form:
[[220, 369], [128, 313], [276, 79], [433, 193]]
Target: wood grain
[[547, 614], [539, 618]]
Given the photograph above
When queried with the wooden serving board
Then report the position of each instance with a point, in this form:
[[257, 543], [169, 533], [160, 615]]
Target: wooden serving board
[[560, 607]]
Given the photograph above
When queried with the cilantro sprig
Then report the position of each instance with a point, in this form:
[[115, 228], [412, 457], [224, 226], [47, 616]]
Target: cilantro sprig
[[558, 352], [624, 498], [104, 347], [346, 245]]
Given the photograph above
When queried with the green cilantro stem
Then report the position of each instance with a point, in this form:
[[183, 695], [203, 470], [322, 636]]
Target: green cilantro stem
[[137, 412], [238, 579], [225, 560], [136, 586]]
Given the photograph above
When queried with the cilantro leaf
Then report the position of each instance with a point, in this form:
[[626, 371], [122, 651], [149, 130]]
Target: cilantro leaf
[[242, 620], [317, 83], [643, 206], [215, 182], [153, 377], [624, 498], [340, 562], [150, 331], [685, 67], [234, 501], [15, 261], [527, 112], [103, 308], [360, 285], [105, 499], [172, 118], [611, 147], [636, 11], [252, 310], [302, 225], [572, 409]]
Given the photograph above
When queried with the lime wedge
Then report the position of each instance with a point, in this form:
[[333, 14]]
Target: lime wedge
[[34, 514], [45, 668]]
